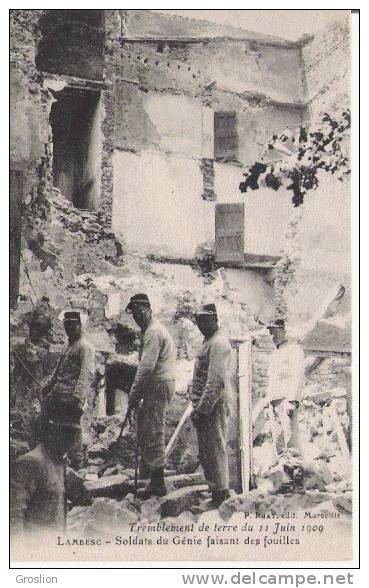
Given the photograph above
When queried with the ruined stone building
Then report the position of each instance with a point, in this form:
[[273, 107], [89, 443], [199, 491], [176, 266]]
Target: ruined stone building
[[128, 130]]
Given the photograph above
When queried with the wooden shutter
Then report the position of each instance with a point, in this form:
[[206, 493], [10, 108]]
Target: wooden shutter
[[225, 135], [229, 232]]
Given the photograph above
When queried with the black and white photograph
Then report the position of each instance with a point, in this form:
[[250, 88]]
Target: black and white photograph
[[181, 286]]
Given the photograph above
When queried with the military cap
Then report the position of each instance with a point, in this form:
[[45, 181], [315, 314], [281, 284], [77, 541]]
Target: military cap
[[73, 314], [278, 323], [138, 300], [206, 309]]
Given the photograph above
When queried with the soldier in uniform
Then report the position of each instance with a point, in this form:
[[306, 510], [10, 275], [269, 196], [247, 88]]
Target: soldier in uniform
[[209, 397], [41, 481], [154, 386], [285, 383], [72, 378]]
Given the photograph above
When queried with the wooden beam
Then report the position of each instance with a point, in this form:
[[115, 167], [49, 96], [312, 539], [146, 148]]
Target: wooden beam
[[245, 403]]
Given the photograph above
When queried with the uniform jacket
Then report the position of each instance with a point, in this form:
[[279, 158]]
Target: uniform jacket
[[211, 373], [74, 372], [157, 359]]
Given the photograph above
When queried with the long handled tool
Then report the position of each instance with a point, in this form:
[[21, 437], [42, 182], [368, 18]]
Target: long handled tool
[[115, 445], [186, 415], [136, 457], [126, 422]]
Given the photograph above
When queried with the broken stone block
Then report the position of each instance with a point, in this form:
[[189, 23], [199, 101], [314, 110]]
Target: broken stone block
[[91, 477], [183, 499], [77, 518], [111, 486], [316, 497], [104, 517], [204, 506], [181, 480], [343, 504], [115, 470], [98, 450], [263, 484], [240, 503], [277, 477], [314, 480], [93, 469], [151, 510], [339, 487], [97, 461]]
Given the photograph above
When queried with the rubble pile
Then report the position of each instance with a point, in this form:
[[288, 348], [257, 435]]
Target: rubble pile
[[71, 258]]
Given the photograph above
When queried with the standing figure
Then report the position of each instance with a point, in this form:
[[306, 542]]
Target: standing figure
[[40, 481], [72, 379], [154, 385], [210, 401], [285, 381]]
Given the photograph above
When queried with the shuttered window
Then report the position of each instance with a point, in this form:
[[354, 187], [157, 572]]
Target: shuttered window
[[225, 136], [229, 232]]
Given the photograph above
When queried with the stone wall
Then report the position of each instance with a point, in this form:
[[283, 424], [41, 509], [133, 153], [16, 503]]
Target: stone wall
[[164, 137], [72, 43], [252, 68], [328, 69], [29, 101]]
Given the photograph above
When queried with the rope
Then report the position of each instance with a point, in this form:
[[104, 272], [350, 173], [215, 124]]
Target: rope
[[26, 368]]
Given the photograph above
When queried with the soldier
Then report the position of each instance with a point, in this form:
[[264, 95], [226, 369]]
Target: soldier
[[211, 406], [72, 379], [41, 481], [285, 381], [154, 385]]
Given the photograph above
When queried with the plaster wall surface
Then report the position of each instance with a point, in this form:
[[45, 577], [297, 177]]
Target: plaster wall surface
[[184, 124], [165, 122], [266, 212], [157, 204], [234, 66]]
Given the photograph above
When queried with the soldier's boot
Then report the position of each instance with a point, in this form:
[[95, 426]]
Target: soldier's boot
[[156, 486], [219, 496]]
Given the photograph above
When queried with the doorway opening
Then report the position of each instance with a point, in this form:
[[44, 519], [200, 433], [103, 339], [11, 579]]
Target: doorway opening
[[76, 126], [119, 378]]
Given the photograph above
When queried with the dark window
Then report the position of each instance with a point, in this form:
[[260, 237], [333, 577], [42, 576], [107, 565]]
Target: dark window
[[225, 136]]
